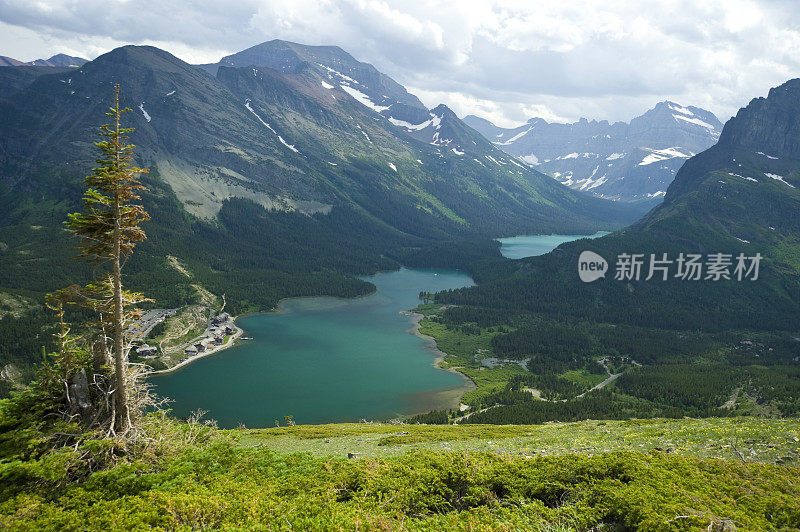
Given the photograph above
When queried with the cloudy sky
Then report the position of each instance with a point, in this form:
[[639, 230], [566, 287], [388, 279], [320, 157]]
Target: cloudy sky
[[507, 61]]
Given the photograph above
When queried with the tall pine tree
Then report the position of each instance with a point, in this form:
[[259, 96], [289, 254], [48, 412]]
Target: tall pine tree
[[109, 229]]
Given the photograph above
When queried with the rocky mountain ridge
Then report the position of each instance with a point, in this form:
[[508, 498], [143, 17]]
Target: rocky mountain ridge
[[623, 161]]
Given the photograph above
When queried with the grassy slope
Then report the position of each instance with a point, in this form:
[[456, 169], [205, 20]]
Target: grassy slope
[[578, 476], [751, 439]]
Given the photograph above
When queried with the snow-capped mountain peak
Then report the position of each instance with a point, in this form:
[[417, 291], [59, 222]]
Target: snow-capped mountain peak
[[626, 161]]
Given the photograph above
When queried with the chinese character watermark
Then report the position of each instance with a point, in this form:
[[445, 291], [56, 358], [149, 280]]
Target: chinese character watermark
[[661, 267]]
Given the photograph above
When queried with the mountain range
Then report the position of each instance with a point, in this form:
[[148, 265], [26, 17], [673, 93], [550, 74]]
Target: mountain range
[[624, 161], [742, 195], [22, 74], [283, 170], [297, 128], [58, 60]]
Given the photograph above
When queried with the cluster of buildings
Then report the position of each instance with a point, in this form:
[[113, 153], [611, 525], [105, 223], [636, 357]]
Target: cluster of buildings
[[219, 327], [146, 351], [140, 328]]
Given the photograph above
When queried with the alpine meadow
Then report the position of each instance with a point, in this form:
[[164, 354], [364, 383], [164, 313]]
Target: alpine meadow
[[429, 266]]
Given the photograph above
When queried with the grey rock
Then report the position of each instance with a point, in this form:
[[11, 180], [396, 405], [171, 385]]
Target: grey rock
[[79, 395]]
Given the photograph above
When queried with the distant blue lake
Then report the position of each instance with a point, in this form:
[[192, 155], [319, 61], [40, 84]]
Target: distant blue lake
[[519, 247]]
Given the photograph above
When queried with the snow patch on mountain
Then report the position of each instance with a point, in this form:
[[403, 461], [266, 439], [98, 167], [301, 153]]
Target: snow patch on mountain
[[779, 178], [515, 137], [660, 155], [364, 133], [363, 99], [339, 74], [141, 108], [281, 139], [437, 140], [600, 180], [590, 183], [249, 108], [695, 121], [678, 108], [290, 146], [743, 177], [434, 121]]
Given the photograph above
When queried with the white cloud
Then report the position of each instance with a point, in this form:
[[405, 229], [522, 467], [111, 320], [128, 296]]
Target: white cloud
[[503, 59]]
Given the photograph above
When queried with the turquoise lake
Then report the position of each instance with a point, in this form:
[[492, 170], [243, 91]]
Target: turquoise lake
[[323, 359], [519, 247]]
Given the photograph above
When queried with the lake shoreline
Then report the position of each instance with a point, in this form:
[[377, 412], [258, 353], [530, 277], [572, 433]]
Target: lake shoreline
[[449, 399], [278, 310], [240, 331], [374, 341], [597, 234], [525, 246], [232, 341], [353, 337], [439, 356]]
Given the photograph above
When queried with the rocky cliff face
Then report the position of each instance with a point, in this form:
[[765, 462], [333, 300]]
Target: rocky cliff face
[[754, 169], [332, 61], [623, 161], [769, 125]]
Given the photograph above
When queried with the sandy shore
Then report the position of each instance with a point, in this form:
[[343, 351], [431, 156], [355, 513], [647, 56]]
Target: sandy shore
[[451, 399], [230, 343]]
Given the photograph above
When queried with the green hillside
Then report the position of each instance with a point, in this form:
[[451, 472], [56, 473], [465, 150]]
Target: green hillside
[[643, 475]]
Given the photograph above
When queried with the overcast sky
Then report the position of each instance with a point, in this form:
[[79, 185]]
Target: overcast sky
[[506, 61]]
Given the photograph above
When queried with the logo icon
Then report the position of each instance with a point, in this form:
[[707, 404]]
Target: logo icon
[[591, 266]]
